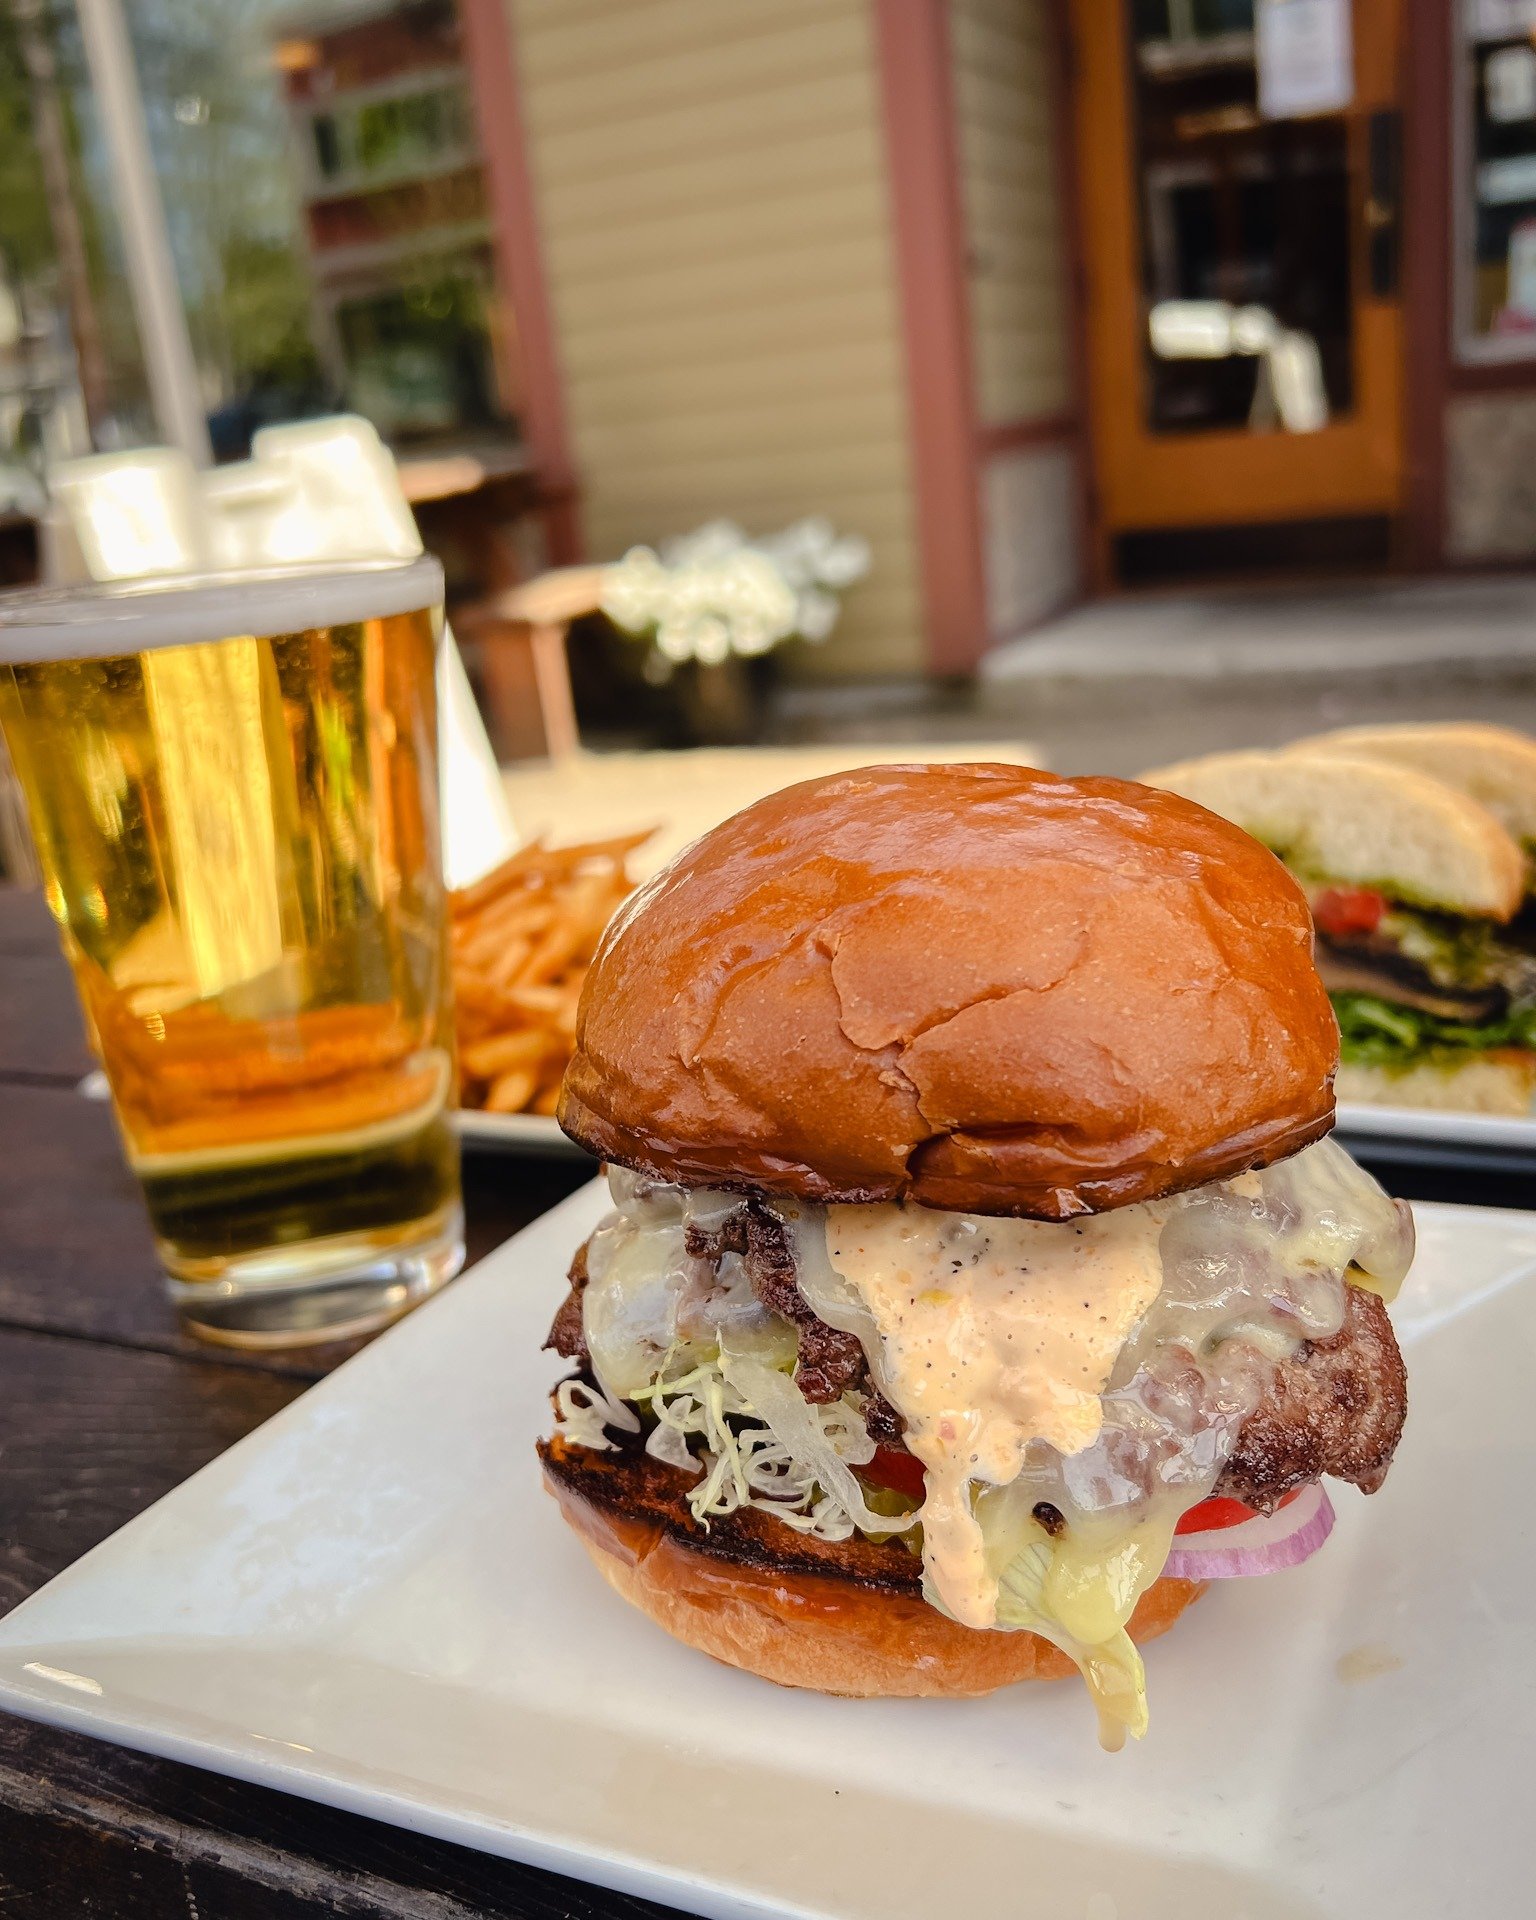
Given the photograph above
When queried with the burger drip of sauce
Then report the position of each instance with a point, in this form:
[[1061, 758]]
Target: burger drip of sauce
[[1102, 1367], [993, 1334]]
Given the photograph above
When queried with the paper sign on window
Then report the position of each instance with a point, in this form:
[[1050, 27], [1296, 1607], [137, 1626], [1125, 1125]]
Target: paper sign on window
[[1305, 55]]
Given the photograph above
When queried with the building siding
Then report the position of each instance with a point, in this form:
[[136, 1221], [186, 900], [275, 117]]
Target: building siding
[[713, 205], [1004, 63], [1011, 194]]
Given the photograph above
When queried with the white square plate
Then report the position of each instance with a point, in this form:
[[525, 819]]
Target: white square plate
[[371, 1602], [529, 1133], [1499, 1135]]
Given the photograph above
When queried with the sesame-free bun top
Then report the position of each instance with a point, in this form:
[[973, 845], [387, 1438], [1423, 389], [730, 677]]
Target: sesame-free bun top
[[981, 988]]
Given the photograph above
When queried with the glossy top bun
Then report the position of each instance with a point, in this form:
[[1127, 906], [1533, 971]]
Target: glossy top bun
[[981, 988]]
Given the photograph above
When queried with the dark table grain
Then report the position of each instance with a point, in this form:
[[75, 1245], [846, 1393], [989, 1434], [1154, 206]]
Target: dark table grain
[[104, 1406]]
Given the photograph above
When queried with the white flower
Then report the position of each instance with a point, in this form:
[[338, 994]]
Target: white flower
[[714, 592]]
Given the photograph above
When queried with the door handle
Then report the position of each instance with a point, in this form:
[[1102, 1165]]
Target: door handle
[[1383, 202]]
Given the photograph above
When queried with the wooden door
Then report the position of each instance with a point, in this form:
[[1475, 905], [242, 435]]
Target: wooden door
[[1228, 256]]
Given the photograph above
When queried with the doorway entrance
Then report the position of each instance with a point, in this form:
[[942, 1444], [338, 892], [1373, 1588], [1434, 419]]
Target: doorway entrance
[[1240, 222]]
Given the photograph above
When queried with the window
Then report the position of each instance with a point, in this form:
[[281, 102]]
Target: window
[[1495, 118], [320, 170], [1245, 233]]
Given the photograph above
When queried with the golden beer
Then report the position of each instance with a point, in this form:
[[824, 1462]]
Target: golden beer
[[239, 841]]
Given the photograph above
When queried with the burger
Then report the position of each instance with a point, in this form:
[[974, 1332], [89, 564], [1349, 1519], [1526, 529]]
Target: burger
[[977, 1254], [1416, 888]]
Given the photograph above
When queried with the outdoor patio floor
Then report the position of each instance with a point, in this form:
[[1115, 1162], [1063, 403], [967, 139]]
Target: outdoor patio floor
[[1121, 685]]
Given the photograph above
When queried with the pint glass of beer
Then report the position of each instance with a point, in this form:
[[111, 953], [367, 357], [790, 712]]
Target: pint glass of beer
[[232, 782]]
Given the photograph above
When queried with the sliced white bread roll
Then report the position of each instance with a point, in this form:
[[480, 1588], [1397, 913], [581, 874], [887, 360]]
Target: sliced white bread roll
[[1362, 823], [1503, 1082], [1494, 766]]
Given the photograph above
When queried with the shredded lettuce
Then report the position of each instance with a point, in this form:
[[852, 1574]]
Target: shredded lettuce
[[821, 1444], [759, 1442], [584, 1413], [1383, 1033]]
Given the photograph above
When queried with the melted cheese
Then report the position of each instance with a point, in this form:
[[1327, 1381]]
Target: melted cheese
[[993, 1333], [1102, 1367]]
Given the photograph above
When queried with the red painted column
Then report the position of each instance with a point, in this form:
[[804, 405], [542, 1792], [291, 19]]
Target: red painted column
[[1429, 245], [492, 66], [912, 39]]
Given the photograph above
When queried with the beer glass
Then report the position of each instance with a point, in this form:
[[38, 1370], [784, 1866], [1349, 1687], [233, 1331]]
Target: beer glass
[[232, 783]]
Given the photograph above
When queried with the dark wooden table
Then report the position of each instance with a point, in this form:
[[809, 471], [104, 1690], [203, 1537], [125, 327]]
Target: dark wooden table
[[104, 1406]]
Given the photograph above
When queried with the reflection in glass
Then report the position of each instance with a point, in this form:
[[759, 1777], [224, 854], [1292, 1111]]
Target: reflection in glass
[[323, 185], [1191, 19], [1497, 78], [70, 362], [1242, 215], [1288, 387]]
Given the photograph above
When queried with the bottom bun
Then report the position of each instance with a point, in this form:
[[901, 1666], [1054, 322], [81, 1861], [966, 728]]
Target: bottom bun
[[1502, 1081], [842, 1617]]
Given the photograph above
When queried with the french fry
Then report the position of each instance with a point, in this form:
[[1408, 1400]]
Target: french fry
[[511, 1092], [545, 864], [502, 1053], [508, 964], [538, 1002], [476, 996], [490, 886], [491, 939], [520, 942]]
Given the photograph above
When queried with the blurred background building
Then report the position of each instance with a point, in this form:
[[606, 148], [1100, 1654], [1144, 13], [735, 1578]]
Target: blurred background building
[[397, 225], [1044, 299]]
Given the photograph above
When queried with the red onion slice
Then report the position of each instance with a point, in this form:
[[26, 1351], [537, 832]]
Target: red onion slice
[[1264, 1544]]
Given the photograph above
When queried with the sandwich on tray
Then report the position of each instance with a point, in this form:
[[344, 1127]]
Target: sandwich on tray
[[980, 1281], [1415, 888]]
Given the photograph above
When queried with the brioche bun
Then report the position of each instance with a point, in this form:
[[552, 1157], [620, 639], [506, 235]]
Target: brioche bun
[[979, 987], [844, 1617]]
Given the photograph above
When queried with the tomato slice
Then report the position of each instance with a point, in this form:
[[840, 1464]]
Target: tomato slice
[[1219, 1512], [897, 1469], [903, 1472], [1342, 911]]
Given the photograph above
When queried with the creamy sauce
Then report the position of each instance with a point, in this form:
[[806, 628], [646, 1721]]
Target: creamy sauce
[[994, 1333], [1103, 1367], [1217, 1285]]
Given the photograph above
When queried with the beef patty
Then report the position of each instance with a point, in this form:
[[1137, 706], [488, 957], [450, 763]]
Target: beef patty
[[829, 1362], [1336, 1407], [629, 1486]]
